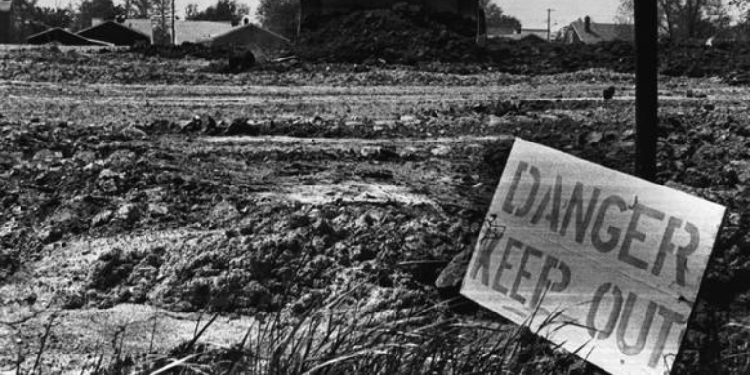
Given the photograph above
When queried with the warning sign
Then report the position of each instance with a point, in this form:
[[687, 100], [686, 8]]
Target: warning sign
[[616, 259]]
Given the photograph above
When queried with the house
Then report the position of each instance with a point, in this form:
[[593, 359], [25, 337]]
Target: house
[[185, 31], [588, 32], [115, 33], [5, 17], [57, 35], [252, 37]]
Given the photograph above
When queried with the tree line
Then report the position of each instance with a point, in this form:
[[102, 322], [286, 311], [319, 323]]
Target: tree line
[[696, 19]]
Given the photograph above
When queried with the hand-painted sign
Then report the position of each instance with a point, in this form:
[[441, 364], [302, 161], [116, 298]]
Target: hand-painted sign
[[617, 260]]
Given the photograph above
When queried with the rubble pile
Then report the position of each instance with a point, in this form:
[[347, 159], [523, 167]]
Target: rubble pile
[[690, 59], [386, 36], [729, 61], [392, 51], [62, 181], [285, 257], [533, 58], [400, 37], [65, 180]]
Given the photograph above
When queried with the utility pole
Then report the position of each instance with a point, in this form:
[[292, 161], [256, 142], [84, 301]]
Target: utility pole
[[549, 23], [174, 37], [646, 86]]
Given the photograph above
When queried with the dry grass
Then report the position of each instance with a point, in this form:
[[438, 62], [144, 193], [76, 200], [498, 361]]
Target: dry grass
[[343, 336]]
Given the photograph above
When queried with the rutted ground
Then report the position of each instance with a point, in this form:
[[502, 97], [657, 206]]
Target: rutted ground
[[118, 201]]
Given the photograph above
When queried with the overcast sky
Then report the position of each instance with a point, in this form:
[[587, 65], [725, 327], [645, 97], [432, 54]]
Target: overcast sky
[[533, 13]]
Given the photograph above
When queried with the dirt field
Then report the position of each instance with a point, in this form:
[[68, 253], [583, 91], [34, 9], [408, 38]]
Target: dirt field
[[137, 194]]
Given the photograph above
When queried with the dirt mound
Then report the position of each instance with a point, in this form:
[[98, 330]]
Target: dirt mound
[[688, 59], [530, 57], [402, 37], [390, 36], [730, 61]]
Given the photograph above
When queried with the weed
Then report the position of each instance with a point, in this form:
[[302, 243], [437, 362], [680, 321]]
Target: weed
[[341, 336]]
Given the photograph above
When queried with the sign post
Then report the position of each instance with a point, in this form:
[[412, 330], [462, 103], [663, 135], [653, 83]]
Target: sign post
[[5, 22], [646, 88], [615, 260]]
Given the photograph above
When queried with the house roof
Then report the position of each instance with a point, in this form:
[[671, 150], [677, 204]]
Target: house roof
[[262, 43], [185, 31], [250, 34], [115, 33], [603, 32], [64, 37]]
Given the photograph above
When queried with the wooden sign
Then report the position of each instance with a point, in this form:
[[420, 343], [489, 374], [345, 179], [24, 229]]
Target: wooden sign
[[615, 259]]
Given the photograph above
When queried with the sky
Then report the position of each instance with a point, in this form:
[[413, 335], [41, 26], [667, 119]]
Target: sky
[[533, 13]]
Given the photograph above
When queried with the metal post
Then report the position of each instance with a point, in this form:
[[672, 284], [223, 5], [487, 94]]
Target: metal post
[[646, 88], [5, 22], [549, 23], [174, 37]]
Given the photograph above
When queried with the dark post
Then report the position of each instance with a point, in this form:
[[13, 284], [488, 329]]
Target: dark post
[[174, 37], [646, 100], [549, 23], [5, 25]]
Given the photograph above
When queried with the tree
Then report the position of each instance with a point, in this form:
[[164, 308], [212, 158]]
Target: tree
[[28, 18], [191, 11], [23, 20], [54, 17], [741, 31], [90, 9], [280, 16], [497, 18], [684, 19], [743, 6], [162, 30], [139, 8], [223, 10]]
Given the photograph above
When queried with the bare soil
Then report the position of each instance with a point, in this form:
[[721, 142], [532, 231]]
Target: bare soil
[[132, 189]]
